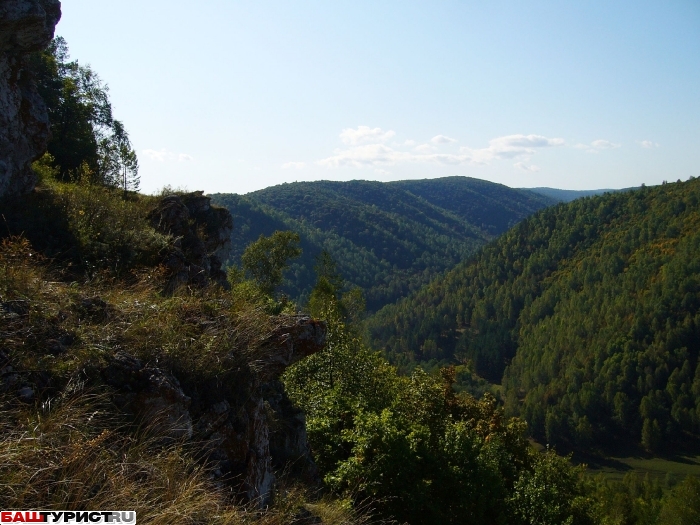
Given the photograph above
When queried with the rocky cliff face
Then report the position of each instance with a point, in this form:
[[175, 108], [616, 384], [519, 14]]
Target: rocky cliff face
[[25, 26], [246, 432], [202, 238]]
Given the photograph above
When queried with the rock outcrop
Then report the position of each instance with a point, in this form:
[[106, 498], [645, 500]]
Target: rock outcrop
[[25, 26], [202, 238], [246, 433], [155, 395]]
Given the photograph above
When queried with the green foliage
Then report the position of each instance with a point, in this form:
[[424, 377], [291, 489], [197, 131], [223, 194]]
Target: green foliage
[[633, 501], [682, 505], [45, 169], [424, 454], [588, 312], [119, 164], [85, 136], [552, 493], [388, 239], [268, 257], [421, 452], [85, 226]]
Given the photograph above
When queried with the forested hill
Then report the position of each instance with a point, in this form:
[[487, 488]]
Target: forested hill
[[387, 238], [569, 195], [597, 304]]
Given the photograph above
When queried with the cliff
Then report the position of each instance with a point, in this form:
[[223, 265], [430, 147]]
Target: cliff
[[202, 238], [164, 340], [25, 26], [245, 433]]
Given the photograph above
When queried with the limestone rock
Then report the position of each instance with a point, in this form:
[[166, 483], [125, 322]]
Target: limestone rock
[[297, 337], [202, 238], [25, 26], [250, 441], [246, 437], [152, 394], [289, 446]]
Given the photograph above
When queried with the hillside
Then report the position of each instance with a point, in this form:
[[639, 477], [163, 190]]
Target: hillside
[[570, 195], [388, 239], [589, 312]]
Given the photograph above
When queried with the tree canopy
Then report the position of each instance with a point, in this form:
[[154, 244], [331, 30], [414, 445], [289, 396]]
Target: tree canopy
[[268, 257], [589, 312], [87, 141]]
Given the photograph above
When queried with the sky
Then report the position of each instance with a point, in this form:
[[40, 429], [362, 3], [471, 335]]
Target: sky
[[234, 96]]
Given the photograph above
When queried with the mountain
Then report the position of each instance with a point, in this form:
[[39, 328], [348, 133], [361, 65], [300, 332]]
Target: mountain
[[589, 313], [570, 195], [387, 238]]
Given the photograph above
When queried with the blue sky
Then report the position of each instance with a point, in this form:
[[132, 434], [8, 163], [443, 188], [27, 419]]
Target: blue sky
[[229, 96]]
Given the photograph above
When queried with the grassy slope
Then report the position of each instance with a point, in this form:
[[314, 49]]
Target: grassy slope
[[615, 468]]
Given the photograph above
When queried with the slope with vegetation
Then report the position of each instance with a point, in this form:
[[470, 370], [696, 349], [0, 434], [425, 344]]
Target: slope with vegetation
[[388, 239], [589, 312], [425, 454], [118, 390]]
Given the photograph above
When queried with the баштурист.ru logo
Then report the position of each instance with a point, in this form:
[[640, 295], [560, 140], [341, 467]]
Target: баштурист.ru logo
[[67, 516]]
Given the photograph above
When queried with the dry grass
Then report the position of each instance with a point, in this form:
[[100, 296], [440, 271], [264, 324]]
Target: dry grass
[[75, 454], [72, 448]]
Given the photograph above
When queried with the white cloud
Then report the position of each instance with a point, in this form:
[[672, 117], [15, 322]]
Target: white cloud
[[294, 165], [597, 145], [378, 155], [526, 167], [648, 144], [442, 139], [364, 156], [410, 143], [163, 155], [511, 147], [364, 134], [604, 144], [159, 155], [381, 172]]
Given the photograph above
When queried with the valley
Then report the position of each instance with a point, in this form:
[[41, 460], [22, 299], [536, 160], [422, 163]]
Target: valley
[[388, 239]]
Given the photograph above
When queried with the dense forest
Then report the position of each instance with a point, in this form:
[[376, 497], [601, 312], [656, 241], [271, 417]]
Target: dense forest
[[588, 312], [388, 239]]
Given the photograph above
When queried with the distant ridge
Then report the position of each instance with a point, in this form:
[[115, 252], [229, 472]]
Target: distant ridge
[[570, 195]]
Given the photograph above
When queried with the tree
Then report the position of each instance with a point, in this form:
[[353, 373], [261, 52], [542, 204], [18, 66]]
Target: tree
[[682, 505], [552, 493], [267, 258], [85, 136], [120, 167]]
